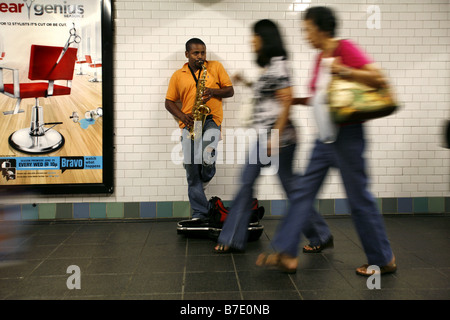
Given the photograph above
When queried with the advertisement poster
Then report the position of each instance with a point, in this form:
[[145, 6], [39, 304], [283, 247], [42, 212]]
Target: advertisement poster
[[52, 95]]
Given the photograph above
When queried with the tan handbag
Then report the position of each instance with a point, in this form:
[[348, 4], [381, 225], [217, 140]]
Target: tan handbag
[[351, 101]]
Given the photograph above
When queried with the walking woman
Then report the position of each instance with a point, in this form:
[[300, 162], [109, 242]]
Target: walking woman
[[341, 147], [272, 101]]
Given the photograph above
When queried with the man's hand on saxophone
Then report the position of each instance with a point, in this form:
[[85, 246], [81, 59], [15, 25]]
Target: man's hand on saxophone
[[187, 119], [208, 94], [220, 93]]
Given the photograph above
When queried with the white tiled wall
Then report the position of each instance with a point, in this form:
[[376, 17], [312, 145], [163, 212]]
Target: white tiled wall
[[405, 153]]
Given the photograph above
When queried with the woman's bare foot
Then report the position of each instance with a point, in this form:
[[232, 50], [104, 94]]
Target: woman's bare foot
[[391, 267], [280, 261], [221, 248]]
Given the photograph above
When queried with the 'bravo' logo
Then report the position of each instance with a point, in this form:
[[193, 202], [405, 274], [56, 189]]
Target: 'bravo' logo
[[41, 9], [71, 163]]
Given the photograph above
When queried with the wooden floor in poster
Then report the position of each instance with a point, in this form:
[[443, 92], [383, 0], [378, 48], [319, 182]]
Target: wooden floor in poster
[[79, 141]]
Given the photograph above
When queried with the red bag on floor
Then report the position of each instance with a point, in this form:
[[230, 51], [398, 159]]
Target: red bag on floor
[[218, 211]]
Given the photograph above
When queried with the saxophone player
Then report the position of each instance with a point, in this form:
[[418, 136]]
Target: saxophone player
[[199, 157]]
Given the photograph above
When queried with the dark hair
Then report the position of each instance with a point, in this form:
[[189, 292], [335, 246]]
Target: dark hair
[[324, 18], [272, 43], [192, 41]]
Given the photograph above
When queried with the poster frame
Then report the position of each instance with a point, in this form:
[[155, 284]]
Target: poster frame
[[107, 184]]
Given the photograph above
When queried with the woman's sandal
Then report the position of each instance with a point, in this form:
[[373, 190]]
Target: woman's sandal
[[362, 271], [316, 249], [274, 260], [221, 248]]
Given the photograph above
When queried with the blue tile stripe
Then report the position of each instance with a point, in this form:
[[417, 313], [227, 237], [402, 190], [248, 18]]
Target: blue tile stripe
[[168, 209]]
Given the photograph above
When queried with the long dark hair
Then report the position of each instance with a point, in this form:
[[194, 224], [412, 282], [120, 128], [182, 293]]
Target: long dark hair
[[272, 43], [324, 18]]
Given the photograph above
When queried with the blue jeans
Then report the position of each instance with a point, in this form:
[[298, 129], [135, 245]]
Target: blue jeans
[[200, 165], [235, 229], [346, 153]]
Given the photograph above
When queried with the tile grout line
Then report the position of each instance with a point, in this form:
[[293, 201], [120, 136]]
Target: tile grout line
[[237, 277], [45, 258], [184, 270], [296, 288], [57, 247], [132, 274]]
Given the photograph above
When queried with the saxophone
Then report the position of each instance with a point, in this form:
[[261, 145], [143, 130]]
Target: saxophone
[[199, 111]]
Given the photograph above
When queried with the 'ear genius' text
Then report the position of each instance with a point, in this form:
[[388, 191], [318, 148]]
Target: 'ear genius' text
[[41, 9]]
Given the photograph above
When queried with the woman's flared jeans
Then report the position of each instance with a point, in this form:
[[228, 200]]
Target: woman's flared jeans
[[235, 230], [346, 154]]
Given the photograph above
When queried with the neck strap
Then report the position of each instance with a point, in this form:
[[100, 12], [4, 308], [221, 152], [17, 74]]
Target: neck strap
[[193, 74]]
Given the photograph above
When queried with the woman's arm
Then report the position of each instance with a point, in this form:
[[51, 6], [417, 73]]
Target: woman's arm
[[369, 74], [303, 101], [284, 96], [238, 78]]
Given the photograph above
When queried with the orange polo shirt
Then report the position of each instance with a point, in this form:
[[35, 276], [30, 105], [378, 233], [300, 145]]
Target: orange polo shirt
[[182, 87]]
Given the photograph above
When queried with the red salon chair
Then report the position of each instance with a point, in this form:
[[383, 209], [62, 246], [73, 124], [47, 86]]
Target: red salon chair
[[47, 65]]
